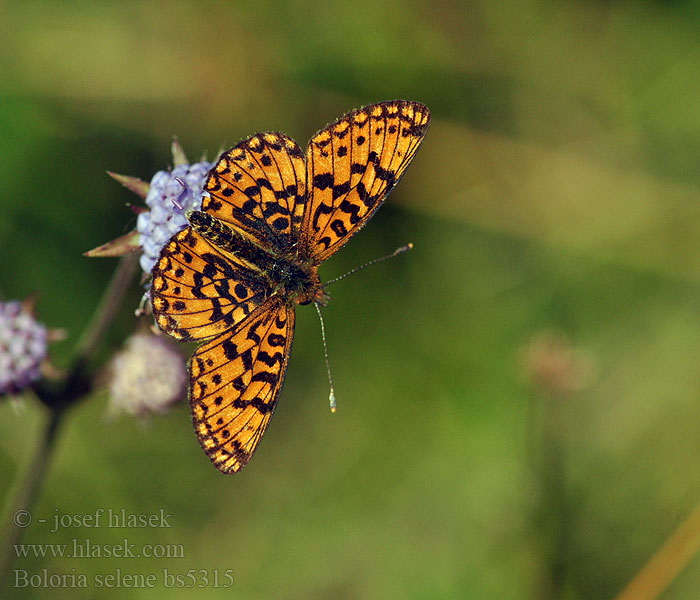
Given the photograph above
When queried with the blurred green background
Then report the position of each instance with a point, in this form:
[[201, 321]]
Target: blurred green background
[[473, 455]]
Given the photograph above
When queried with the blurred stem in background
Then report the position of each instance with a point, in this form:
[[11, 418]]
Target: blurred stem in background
[[556, 371], [23, 495], [553, 514]]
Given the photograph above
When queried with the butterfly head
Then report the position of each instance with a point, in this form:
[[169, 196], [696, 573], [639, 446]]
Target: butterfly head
[[309, 289]]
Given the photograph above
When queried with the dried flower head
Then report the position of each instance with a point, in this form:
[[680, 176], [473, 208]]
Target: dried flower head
[[23, 346], [553, 365], [147, 377]]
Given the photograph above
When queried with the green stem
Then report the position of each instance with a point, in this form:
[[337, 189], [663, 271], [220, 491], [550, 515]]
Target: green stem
[[77, 384], [552, 515], [18, 512]]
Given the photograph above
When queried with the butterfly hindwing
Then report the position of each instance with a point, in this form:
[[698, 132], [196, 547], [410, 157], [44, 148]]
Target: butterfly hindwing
[[351, 167], [258, 187], [235, 380], [199, 291]]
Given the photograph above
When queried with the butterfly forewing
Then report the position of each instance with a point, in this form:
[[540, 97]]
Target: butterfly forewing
[[198, 291], [352, 165], [235, 380], [258, 187]]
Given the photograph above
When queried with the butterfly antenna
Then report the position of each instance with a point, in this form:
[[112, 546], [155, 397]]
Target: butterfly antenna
[[396, 252], [331, 396]]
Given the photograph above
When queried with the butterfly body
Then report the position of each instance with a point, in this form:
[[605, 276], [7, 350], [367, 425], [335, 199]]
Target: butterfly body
[[286, 274], [232, 279]]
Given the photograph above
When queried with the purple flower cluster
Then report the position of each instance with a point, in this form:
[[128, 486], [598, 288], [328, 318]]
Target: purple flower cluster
[[170, 196], [23, 347]]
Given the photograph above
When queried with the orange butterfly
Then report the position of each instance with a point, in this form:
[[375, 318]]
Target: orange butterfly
[[235, 275]]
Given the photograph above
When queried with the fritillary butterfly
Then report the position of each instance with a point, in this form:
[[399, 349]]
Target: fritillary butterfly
[[271, 214]]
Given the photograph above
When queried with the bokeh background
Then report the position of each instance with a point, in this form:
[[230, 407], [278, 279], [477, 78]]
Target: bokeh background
[[519, 396]]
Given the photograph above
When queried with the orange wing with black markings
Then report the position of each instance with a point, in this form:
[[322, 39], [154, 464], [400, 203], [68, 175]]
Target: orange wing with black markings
[[199, 291], [269, 217], [235, 380], [259, 188], [352, 165]]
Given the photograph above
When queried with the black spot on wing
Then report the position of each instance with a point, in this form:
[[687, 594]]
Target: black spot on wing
[[230, 350], [341, 190], [321, 209], [338, 227], [351, 209], [323, 181]]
